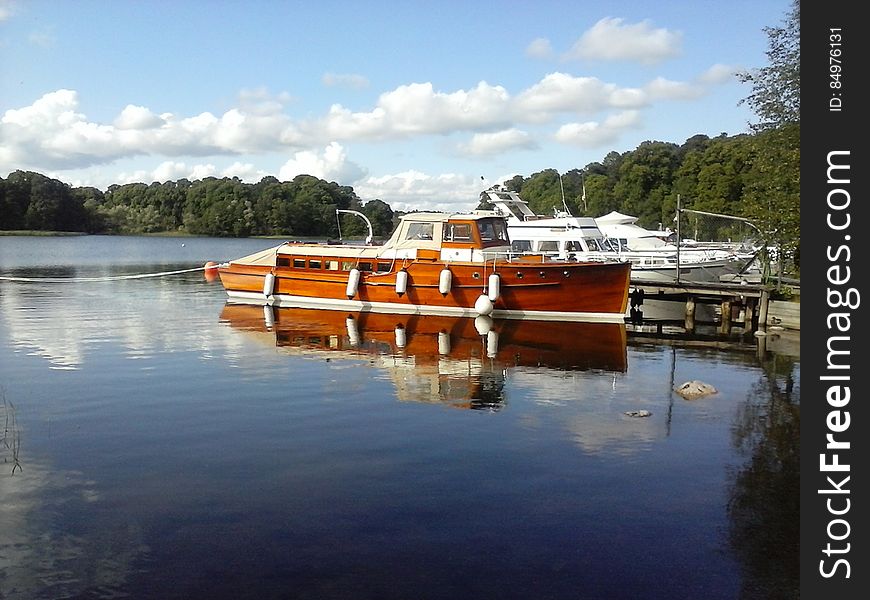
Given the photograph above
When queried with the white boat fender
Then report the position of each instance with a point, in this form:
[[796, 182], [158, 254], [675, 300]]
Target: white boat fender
[[269, 316], [494, 287], [445, 280], [443, 343], [491, 343], [401, 336], [483, 305], [482, 324], [352, 283], [401, 282], [268, 285], [352, 331]]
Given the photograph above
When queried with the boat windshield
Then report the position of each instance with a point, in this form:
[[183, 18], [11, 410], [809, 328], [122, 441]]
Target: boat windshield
[[493, 230], [600, 245]]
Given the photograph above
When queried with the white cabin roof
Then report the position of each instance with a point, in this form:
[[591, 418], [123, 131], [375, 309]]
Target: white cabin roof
[[616, 218]]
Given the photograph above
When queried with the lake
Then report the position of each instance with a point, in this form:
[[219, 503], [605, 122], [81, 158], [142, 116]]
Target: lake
[[160, 443]]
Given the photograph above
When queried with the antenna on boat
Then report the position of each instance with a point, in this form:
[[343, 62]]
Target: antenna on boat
[[562, 187], [371, 234]]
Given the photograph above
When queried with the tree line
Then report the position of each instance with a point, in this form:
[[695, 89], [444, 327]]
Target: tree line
[[219, 207]]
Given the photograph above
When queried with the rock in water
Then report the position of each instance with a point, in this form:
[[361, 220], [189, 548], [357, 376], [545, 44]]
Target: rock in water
[[694, 389], [638, 413]]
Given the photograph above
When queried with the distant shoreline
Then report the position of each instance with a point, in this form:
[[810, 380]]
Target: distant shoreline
[[37, 232], [40, 233]]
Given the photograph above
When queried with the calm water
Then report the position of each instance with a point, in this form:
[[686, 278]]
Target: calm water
[[159, 444]]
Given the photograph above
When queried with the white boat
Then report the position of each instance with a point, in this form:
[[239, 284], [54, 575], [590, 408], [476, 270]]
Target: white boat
[[581, 238], [631, 236]]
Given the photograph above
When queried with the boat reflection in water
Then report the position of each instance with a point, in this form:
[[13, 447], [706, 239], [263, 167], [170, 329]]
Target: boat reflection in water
[[459, 361]]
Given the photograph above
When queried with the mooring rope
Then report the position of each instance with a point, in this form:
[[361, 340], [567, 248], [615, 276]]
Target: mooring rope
[[106, 278]]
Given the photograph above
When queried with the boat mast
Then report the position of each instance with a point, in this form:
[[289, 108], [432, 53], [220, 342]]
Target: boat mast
[[562, 187]]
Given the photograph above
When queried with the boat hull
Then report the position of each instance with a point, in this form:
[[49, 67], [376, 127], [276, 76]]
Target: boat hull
[[700, 272], [527, 289]]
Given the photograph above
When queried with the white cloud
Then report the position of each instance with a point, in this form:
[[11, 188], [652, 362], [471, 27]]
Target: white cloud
[[7, 10], [169, 171], [611, 39], [247, 172], [664, 89], [486, 144], [414, 190], [330, 165], [719, 73], [174, 170], [202, 171], [137, 117], [417, 109], [593, 134], [54, 133], [563, 93], [540, 48], [348, 80], [260, 102]]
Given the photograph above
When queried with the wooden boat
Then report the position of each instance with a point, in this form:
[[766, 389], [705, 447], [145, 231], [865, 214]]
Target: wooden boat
[[434, 263], [461, 361]]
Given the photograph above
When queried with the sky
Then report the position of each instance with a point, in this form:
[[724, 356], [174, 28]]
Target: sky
[[419, 104]]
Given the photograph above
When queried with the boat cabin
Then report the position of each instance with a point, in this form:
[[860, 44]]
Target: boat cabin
[[562, 235], [471, 237]]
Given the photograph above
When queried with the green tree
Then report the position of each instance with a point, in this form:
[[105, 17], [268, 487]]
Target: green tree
[[381, 216], [14, 199], [543, 192], [773, 188], [772, 196], [645, 180], [775, 96]]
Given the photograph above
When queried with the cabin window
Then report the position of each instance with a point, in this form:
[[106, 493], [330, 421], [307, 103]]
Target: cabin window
[[383, 267], [347, 265], [492, 230], [299, 263], [419, 231], [364, 266], [548, 246], [574, 246], [332, 265], [283, 261], [521, 246], [314, 263], [457, 232]]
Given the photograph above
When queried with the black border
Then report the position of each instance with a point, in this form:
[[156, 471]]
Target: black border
[[824, 130]]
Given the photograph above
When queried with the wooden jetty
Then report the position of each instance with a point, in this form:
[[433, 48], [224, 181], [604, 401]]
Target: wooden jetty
[[740, 303]]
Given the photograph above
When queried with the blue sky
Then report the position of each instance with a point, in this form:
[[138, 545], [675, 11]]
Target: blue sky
[[410, 102]]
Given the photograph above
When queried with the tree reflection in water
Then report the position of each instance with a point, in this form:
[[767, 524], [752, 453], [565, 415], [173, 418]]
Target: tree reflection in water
[[10, 444], [764, 504]]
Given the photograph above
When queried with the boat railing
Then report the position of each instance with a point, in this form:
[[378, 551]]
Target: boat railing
[[545, 257]]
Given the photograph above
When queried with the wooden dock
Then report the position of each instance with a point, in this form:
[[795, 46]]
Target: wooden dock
[[743, 304]]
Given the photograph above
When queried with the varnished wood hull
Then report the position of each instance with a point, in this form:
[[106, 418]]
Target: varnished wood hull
[[536, 290]]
